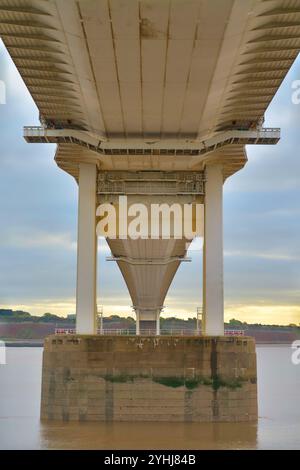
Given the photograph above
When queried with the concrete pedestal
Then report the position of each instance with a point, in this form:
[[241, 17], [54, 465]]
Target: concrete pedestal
[[130, 378]]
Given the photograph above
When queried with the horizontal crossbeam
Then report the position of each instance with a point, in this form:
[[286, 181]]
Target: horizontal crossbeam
[[146, 261], [151, 182], [169, 146]]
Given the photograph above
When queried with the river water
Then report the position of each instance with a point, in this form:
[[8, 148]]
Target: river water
[[278, 426]]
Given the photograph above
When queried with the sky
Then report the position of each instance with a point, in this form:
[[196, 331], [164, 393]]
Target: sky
[[38, 224]]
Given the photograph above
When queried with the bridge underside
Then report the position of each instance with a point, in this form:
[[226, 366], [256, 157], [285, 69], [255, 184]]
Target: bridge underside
[[148, 267], [154, 100]]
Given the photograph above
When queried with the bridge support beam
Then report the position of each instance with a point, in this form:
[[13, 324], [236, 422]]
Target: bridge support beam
[[213, 301], [86, 251]]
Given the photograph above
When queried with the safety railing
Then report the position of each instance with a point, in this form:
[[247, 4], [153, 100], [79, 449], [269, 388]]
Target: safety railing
[[172, 146], [148, 332]]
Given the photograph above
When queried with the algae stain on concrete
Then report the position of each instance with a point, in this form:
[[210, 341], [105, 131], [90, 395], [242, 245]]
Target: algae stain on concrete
[[175, 381]]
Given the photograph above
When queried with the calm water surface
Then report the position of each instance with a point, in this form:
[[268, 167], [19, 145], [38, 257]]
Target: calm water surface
[[278, 426]]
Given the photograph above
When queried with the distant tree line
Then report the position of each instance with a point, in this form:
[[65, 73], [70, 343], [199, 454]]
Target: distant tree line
[[8, 315], [19, 316]]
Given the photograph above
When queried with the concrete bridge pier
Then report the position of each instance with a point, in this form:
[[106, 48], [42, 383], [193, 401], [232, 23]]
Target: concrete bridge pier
[[148, 321], [147, 378]]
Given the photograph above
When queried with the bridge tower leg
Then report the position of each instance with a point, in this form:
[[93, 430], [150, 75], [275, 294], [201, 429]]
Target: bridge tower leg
[[158, 323], [137, 323], [213, 302], [86, 251]]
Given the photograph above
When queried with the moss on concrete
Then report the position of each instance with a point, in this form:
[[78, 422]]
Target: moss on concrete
[[194, 383], [169, 381], [124, 378], [119, 378], [174, 382], [217, 383]]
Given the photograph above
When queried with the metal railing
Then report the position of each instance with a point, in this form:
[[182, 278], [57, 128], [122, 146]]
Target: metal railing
[[170, 146], [148, 332]]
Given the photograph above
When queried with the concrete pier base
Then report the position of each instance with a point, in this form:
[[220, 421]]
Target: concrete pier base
[[130, 378]]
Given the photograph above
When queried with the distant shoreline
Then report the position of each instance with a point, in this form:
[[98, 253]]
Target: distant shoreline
[[24, 343]]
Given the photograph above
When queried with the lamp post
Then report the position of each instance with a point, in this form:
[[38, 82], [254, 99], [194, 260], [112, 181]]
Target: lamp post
[[199, 314], [100, 319]]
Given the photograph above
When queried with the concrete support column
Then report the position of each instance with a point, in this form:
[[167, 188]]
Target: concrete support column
[[86, 311], [158, 324], [137, 323], [213, 297]]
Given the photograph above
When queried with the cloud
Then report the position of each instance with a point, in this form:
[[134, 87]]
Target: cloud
[[103, 246], [56, 306], [264, 314], [263, 255], [41, 240], [196, 245]]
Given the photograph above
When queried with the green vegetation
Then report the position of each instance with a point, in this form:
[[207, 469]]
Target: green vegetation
[[17, 316], [193, 383], [189, 383], [175, 382], [22, 325], [233, 323], [217, 383], [169, 381], [123, 378], [8, 315]]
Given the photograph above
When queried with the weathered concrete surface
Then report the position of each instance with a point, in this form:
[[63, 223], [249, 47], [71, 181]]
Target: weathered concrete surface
[[131, 378]]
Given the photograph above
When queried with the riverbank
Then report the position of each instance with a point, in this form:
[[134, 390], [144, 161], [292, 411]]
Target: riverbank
[[16, 343]]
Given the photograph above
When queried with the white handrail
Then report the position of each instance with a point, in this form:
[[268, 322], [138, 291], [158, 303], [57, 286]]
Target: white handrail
[[148, 332], [221, 138]]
